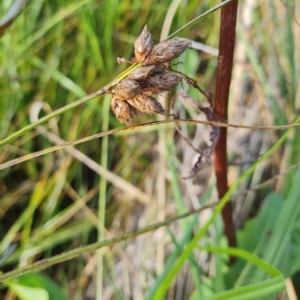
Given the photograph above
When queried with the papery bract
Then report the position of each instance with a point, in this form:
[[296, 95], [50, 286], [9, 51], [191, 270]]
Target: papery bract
[[127, 89], [161, 82], [147, 105], [123, 111], [144, 73], [166, 51], [143, 46]]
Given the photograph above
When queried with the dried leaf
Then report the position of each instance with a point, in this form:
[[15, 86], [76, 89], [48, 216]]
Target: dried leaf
[[127, 89], [147, 105], [123, 111], [143, 45], [206, 154], [166, 51]]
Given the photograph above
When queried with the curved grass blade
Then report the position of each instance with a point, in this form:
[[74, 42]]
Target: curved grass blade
[[255, 290], [56, 113], [250, 257], [197, 19], [63, 109]]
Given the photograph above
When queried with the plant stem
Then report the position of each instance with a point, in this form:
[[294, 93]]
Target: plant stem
[[226, 50], [102, 197]]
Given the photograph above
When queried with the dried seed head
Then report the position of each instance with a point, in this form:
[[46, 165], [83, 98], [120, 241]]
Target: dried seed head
[[166, 51], [123, 111], [147, 105], [161, 82], [143, 45], [127, 89], [143, 73]]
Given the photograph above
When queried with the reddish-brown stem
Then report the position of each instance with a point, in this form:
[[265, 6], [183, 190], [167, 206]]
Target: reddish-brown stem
[[223, 78]]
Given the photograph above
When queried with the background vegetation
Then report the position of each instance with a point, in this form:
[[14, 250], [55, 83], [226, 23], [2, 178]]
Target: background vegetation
[[58, 51]]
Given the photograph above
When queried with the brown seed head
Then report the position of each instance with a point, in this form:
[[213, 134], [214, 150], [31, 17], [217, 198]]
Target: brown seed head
[[123, 111], [143, 45], [161, 82], [147, 105], [143, 73], [127, 89], [166, 51]]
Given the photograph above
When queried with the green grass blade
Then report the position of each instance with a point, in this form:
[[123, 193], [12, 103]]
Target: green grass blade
[[197, 19], [254, 291]]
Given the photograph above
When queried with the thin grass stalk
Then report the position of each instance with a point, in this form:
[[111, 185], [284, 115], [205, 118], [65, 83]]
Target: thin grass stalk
[[137, 126], [64, 109], [102, 198]]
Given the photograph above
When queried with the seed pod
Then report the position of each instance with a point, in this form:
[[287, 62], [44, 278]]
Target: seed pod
[[161, 82], [147, 105], [143, 45], [166, 51], [143, 73], [123, 111], [127, 89]]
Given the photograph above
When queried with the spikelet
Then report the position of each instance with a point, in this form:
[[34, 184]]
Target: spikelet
[[166, 51], [143, 73], [123, 111], [161, 82], [143, 46], [147, 105], [154, 77], [127, 89]]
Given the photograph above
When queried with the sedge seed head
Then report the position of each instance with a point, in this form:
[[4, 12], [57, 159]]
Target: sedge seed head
[[123, 111], [144, 73], [167, 51], [127, 89], [143, 45], [161, 82], [147, 104]]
